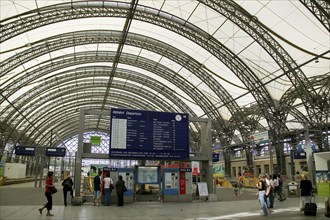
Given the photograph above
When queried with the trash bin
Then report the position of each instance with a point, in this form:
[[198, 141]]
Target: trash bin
[[293, 189]]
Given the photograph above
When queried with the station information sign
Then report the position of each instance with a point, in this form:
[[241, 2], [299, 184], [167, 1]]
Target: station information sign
[[25, 150], [150, 135], [55, 151]]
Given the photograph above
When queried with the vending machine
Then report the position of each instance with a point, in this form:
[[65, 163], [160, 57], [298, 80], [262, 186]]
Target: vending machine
[[114, 176], [128, 177], [185, 191], [170, 184]]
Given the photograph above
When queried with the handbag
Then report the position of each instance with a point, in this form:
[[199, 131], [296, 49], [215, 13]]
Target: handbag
[[112, 186], [53, 190]]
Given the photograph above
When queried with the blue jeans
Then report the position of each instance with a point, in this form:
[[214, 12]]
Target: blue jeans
[[107, 196], [270, 200], [262, 201]]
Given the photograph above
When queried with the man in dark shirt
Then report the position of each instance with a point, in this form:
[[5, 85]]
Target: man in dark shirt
[[97, 189]]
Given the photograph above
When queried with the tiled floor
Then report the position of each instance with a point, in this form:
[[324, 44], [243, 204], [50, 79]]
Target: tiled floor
[[29, 199]]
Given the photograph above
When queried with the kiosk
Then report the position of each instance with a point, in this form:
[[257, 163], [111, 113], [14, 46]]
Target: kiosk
[[185, 178], [128, 177], [114, 176], [177, 184], [170, 184]]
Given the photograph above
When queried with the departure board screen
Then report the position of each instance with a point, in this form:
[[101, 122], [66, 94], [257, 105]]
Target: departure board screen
[[150, 135], [55, 151], [25, 150]]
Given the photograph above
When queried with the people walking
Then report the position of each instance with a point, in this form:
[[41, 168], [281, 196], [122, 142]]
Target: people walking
[[261, 185], [278, 183], [306, 191], [48, 193], [67, 187], [270, 191], [240, 181]]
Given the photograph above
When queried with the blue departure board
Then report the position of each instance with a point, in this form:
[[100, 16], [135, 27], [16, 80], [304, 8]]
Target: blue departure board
[[55, 151], [150, 135], [25, 150]]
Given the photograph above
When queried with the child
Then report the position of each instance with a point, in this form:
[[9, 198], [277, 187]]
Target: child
[[236, 189]]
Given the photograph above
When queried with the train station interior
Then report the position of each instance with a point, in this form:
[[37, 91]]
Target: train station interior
[[190, 101]]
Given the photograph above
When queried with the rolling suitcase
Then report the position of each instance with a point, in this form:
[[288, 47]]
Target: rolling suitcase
[[311, 207]]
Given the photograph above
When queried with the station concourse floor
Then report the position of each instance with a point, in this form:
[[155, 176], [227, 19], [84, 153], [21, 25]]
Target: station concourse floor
[[21, 201]]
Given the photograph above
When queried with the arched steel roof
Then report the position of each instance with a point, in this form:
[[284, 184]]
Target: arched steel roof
[[247, 65]]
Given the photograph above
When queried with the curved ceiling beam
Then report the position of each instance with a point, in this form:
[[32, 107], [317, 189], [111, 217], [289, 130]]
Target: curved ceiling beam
[[42, 109], [321, 101], [320, 9], [84, 37], [52, 118], [41, 70], [169, 52], [22, 102], [260, 33], [38, 18], [163, 19]]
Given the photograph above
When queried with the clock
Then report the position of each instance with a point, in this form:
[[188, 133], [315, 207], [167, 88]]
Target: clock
[[178, 117]]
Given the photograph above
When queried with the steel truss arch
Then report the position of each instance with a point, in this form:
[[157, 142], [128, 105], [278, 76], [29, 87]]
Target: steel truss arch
[[185, 29], [321, 100], [68, 60], [256, 30], [52, 116], [320, 9], [154, 45], [128, 87], [99, 71]]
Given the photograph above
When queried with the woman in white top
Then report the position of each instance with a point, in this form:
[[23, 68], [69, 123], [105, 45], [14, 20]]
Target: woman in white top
[[108, 186]]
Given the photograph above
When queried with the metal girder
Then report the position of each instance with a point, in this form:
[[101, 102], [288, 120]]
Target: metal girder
[[74, 74], [37, 116], [320, 9], [165, 20], [67, 61], [257, 31], [322, 99], [55, 117], [78, 38]]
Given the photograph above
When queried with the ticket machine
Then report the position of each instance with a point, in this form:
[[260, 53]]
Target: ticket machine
[[185, 181], [128, 177], [114, 176], [170, 184]]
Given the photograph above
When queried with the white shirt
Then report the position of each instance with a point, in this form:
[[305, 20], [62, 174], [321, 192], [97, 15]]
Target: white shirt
[[107, 181]]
